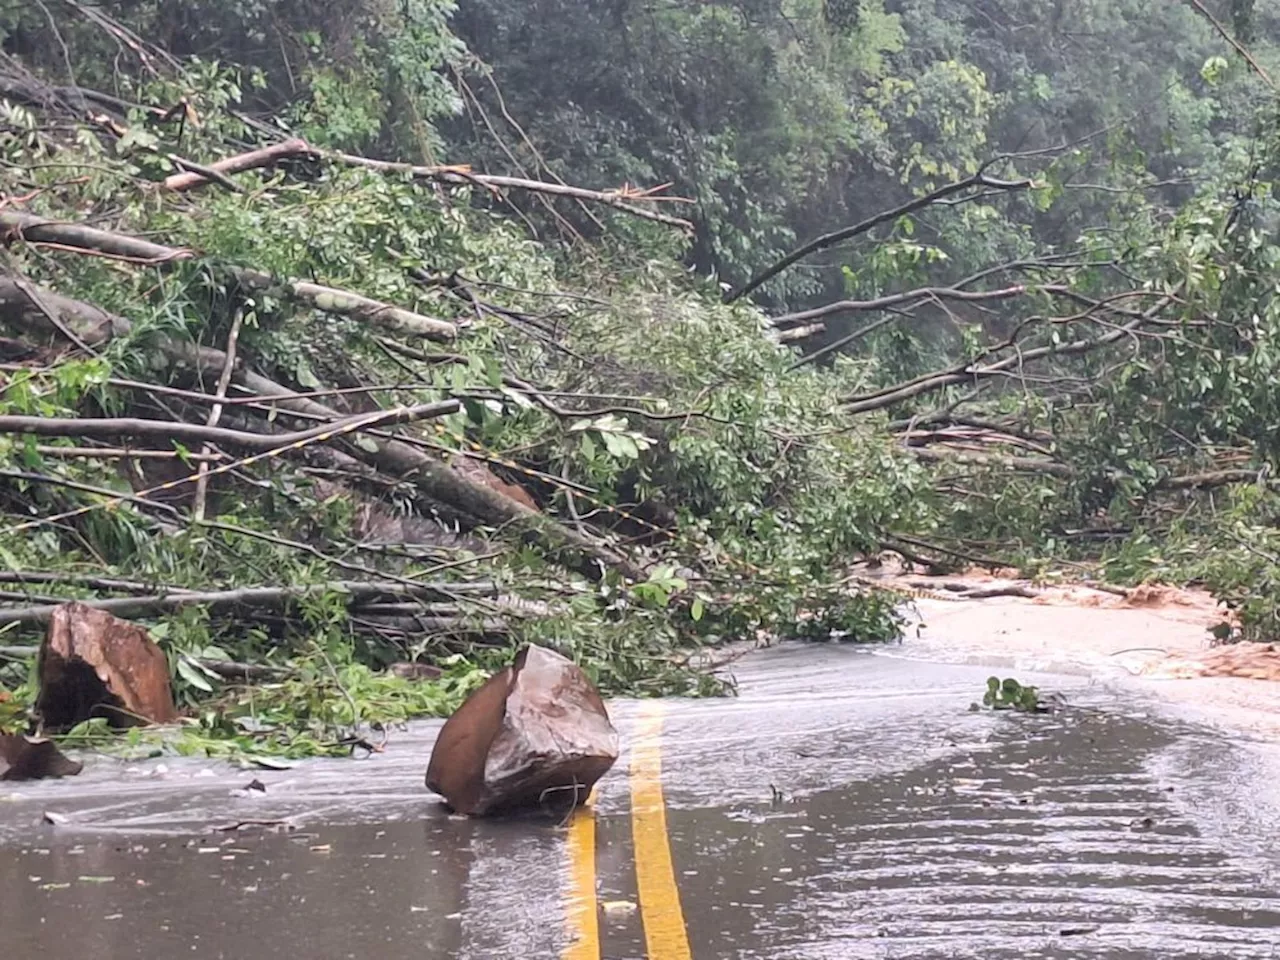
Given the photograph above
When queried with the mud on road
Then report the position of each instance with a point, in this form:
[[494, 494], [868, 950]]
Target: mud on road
[[847, 804]]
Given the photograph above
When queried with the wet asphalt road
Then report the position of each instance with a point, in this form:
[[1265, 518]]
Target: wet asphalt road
[[846, 805]]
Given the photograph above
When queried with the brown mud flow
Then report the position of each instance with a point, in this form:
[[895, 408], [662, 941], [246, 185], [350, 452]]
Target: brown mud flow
[[844, 806]]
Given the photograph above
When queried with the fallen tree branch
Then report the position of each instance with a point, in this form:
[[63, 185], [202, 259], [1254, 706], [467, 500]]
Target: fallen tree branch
[[124, 453], [463, 176], [967, 372], [989, 460], [172, 430], [1188, 481], [434, 479], [802, 332], [623, 200], [85, 580], [921, 294], [245, 672], [979, 180], [82, 239], [79, 238], [90, 324], [1212, 478], [271, 598], [885, 303], [348, 304], [215, 414], [206, 172], [253, 160]]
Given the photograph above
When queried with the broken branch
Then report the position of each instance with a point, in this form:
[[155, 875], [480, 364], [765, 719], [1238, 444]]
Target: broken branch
[[253, 160], [979, 179], [173, 430], [966, 371], [434, 480], [463, 176], [253, 597]]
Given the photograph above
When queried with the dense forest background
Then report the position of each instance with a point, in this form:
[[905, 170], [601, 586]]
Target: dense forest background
[[621, 325]]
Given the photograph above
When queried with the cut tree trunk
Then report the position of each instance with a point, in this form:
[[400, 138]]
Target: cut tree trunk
[[95, 665]]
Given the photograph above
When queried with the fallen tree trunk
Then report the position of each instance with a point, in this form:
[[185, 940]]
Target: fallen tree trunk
[[90, 240], [271, 598], [434, 479]]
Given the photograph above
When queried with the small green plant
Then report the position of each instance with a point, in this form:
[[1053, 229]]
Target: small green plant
[[1009, 694]]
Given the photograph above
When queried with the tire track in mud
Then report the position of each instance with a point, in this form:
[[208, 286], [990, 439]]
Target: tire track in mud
[[1056, 842]]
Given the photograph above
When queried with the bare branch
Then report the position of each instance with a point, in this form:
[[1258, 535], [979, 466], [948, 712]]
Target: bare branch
[[1239, 47], [921, 295], [254, 597], [968, 372], [624, 200], [215, 414], [253, 160], [987, 460], [979, 179], [802, 332], [170, 430]]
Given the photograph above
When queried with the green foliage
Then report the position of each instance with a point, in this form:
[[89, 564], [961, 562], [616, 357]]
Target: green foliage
[[355, 76], [1009, 694], [319, 711]]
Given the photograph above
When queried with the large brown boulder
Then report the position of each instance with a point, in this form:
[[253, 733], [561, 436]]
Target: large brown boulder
[[95, 665], [536, 734]]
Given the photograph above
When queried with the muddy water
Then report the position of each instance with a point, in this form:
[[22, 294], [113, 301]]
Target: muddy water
[[845, 805]]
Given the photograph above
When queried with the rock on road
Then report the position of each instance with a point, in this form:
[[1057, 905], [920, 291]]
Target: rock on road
[[848, 804]]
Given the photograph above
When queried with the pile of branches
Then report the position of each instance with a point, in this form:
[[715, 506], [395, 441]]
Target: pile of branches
[[230, 419]]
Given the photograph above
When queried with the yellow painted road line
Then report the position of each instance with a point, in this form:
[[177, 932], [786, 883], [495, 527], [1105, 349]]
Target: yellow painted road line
[[584, 918], [664, 931]]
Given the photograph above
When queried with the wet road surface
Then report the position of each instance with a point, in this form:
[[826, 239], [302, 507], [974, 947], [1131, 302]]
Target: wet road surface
[[845, 805]]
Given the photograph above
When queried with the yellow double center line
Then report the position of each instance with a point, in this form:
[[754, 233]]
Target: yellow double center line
[[660, 911]]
